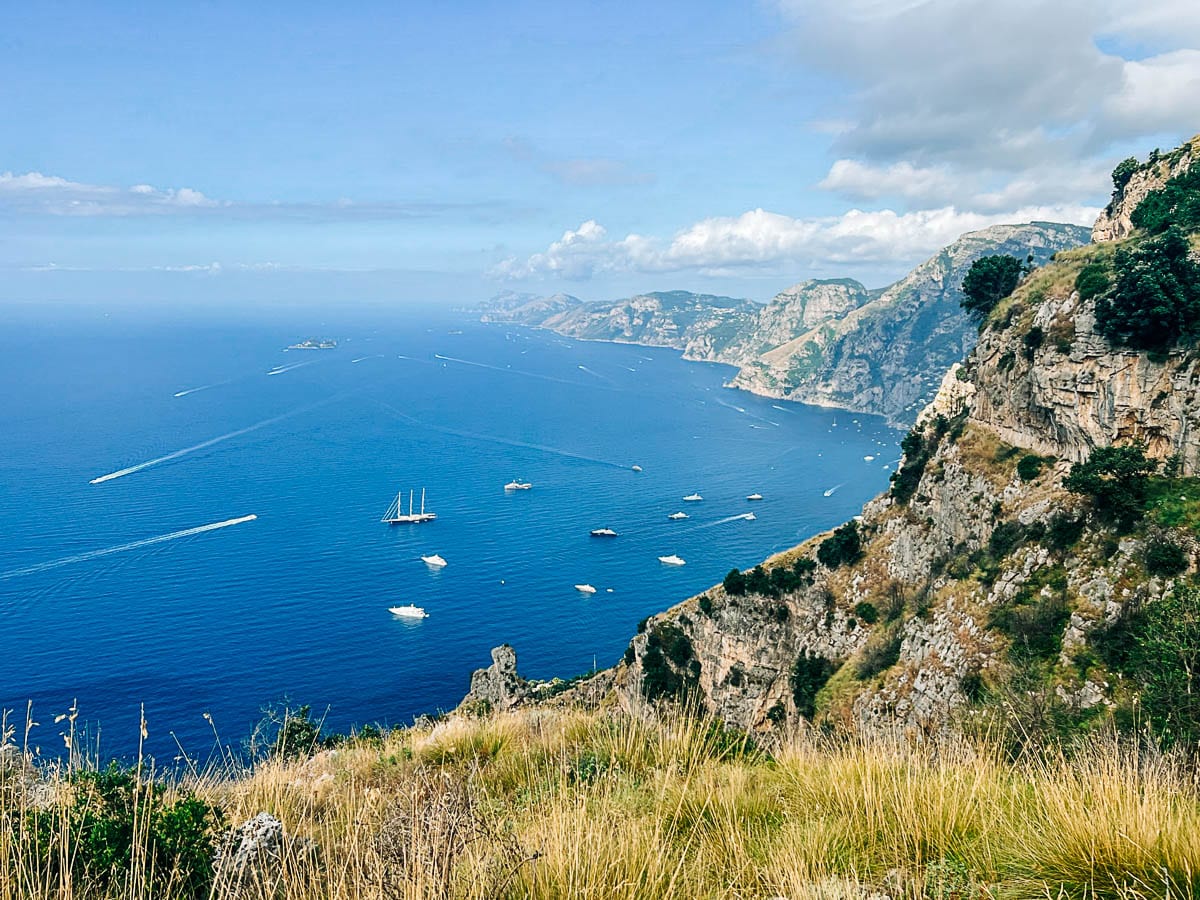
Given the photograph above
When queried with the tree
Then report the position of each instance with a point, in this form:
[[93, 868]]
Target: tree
[[1165, 659], [989, 280], [1122, 173], [1154, 301], [843, 546], [1115, 478]]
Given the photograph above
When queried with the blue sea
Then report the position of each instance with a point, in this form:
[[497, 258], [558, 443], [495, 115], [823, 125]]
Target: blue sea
[[116, 595]]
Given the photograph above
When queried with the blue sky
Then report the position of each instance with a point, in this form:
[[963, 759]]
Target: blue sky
[[163, 153]]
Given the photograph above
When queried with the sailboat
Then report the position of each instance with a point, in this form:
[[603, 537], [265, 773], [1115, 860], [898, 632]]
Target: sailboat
[[396, 516]]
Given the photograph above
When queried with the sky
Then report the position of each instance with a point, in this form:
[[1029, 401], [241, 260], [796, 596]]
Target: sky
[[265, 153]]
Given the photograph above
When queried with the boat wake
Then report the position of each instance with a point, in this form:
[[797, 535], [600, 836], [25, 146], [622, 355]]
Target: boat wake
[[203, 387], [121, 473], [121, 548], [596, 374], [371, 356], [506, 369], [504, 442], [829, 493], [724, 521], [279, 370]]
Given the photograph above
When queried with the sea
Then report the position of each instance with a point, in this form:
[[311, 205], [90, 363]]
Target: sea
[[190, 513]]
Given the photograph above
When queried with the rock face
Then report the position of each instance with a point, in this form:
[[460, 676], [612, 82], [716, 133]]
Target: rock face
[[1115, 222], [252, 859], [499, 686], [888, 354], [830, 342]]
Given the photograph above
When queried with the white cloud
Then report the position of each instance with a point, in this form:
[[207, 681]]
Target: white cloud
[[762, 239]]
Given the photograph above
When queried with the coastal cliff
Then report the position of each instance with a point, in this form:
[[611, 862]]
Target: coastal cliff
[[828, 342], [988, 584]]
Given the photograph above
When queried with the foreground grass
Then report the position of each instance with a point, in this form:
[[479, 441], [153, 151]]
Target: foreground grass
[[572, 804]]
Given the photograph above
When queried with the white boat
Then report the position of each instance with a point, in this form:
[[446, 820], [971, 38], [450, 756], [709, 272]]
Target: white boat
[[395, 516], [692, 498], [637, 468], [671, 560], [603, 532], [518, 486], [678, 515], [749, 517], [434, 560], [585, 589], [408, 611], [754, 497]]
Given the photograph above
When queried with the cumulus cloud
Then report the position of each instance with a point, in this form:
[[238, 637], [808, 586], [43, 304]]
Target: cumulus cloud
[[948, 100], [761, 239]]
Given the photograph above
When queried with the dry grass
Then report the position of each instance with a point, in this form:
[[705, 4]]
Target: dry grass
[[570, 804]]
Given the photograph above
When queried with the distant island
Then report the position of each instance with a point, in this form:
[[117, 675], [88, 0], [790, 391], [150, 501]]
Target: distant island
[[315, 344]]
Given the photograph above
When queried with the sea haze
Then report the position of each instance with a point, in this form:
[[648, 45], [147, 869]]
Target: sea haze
[[294, 603]]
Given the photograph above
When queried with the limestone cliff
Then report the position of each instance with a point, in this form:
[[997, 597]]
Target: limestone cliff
[[1116, 221], [979, 575]]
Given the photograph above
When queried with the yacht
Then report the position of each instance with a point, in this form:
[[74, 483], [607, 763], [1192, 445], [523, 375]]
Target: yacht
[[671, 560], [395, 515], [518, 486], [408, 611], [637, 468], [754, 497], [585, 589], [435, 560], [749, 517], [603, 532], [692, 498], [678, 515]]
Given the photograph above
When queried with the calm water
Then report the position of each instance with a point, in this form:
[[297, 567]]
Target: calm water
[[294, 603]]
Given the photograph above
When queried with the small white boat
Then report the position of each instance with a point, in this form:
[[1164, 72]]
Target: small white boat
[[671, 560], [749, 517], [692, 498], [585, 589], [434, 560], [603, 532], [637, 468], [678, 515], [869, 458], [754, 497], [408, 611], [518, 486]]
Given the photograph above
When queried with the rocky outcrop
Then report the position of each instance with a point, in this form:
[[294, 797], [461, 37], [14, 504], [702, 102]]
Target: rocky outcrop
[[887, 356], [499, 687], [255, 858], [1116, 222]]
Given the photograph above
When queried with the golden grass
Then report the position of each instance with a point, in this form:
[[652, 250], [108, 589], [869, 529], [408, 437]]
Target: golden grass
[[574, 804]]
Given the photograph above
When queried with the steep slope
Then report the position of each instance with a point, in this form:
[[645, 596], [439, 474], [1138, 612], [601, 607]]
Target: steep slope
[[979, 589], [888, 355]]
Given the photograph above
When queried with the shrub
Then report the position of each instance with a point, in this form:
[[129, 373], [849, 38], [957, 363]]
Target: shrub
[[1115, 479], [989, 280], [1154, 301], [1033, 339], [1122, 173], [1036, 628], [918, 447], [843, 546], [1164, 557], [867, 612], [1175, 204], [734, 583], [706, 604], [113, 815], [774, 583], [1092, 280], [1029, 466], [1005, 538], [809, 675], [882, 651], [1063, 531], [660, 680]]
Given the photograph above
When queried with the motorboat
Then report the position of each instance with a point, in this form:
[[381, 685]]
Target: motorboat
[[585, 589], [518, 486], [692, 498], [678, 515], [636, 468], [755, 497], [603, 532], [749, 517], [408, 611], [434, 560], [671, 560]]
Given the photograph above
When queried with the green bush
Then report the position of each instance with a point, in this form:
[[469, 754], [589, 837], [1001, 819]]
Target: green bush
[[1164, 557], [843, 546], [660, 680], [989, 280], [771, 583], [1034, 338], [1093, 279], [918, 447], [109, 811], [1036, 627], [882, 651], [867, 612], [1175, 204], [1116, 480], [1123, 172], [809, 675], [1063, 531], [1029, 466], [1154, 301]]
